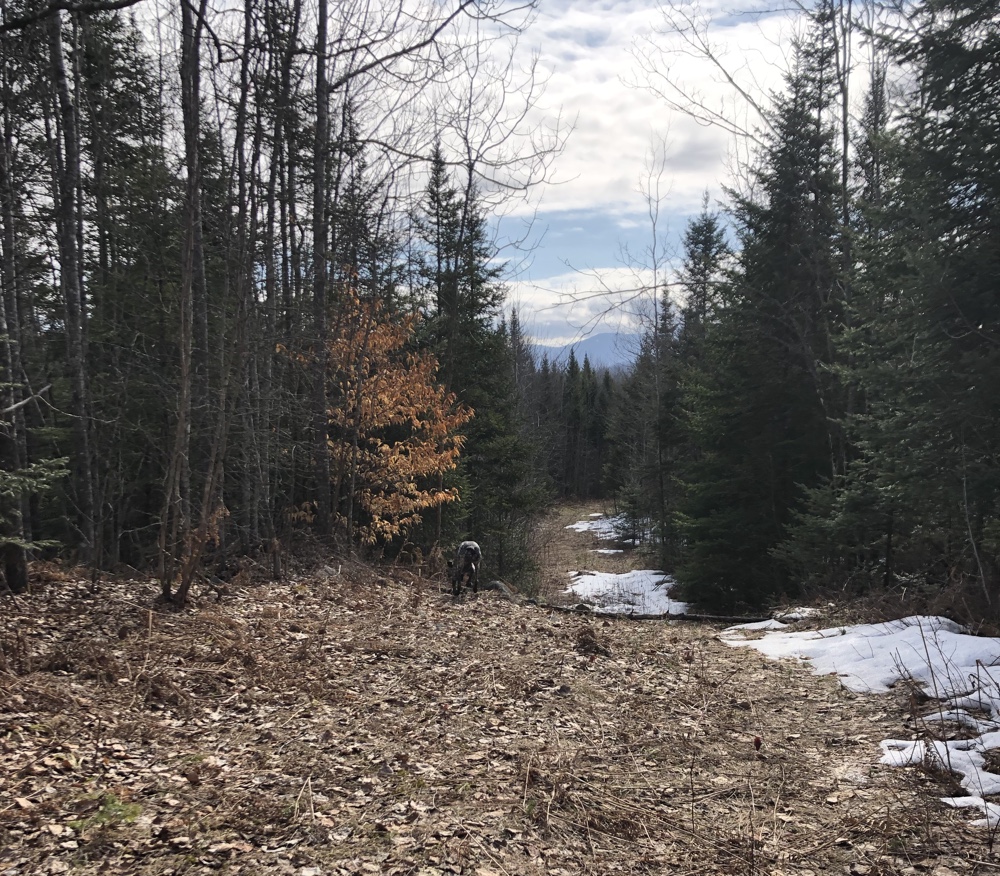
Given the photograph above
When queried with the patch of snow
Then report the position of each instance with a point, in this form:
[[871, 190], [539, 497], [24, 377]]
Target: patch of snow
[[606, 551], [607, 528], [962, 756], [771, 624], [992, 810], [937, 655], [645, 591], [873, 657], [797, 614]]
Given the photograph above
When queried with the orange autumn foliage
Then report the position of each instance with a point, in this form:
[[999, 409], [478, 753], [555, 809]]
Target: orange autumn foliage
[[393, 428]]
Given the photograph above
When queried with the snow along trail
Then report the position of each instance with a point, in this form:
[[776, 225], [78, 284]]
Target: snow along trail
[[959, 671], [642, 591]]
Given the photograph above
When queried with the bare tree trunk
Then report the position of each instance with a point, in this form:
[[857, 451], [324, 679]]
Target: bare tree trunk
[[66, 155], [14, 387], [320, 274], [268, 374], [361, 343], [192, 25], [12, 432], [175, 522], [212, 510], [246, 230], [843, 33]]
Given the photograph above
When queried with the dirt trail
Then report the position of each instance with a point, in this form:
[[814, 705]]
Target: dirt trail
[[561, 551], [360, 721]]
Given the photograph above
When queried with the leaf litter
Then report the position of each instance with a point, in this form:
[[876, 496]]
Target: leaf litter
[[361, 721]]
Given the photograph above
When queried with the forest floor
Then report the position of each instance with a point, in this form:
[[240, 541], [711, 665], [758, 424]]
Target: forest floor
[[358, 720]]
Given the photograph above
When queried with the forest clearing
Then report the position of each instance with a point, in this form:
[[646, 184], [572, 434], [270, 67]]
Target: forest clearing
[[356, 719], [271, 342]]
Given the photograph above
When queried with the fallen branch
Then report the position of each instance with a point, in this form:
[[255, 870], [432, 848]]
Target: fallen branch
[[583, 608]]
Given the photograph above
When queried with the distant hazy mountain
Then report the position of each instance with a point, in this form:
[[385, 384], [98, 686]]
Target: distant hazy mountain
[[605, 350]]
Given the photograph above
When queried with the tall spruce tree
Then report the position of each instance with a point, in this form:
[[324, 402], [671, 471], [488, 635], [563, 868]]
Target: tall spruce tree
[[466, 331], [843, 536], [701, 279], [929, 361], [705, 255], [644, 437], [763, 409]]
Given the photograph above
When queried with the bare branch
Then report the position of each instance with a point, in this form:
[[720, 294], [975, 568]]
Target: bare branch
[[27, 400], [384, 60], [690, 33]]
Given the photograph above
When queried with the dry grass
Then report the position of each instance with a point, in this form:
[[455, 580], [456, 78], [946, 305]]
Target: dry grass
[[362, 721]]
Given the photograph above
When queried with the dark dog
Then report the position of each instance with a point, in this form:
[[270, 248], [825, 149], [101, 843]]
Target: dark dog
[[465, 567]]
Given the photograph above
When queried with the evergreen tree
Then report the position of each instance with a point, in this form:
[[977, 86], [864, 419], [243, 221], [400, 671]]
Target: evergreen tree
[[705, 253], [701, 278], [132, 206], [572, 426], [547, 423], [927, 359], [364, 252], [631, 471], [764, 405], [466, 331], [645, 439], [843, 536], [463, 289]]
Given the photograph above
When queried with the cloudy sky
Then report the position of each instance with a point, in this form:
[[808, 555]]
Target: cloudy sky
[[629, 150]]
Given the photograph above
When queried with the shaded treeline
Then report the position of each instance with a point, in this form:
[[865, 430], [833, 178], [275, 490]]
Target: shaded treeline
[[247, 277]]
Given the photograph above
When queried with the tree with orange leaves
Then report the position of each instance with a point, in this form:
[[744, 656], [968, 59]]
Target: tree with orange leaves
[[393, 428]]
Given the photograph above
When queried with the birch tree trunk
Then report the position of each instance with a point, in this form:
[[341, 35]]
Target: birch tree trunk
[[65, 153]]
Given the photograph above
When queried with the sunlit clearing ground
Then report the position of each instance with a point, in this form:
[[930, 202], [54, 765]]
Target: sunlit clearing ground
[[366, 722]]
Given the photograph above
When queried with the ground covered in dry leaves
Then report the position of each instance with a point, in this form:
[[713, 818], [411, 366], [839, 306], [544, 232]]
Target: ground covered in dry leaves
[[358, 720]]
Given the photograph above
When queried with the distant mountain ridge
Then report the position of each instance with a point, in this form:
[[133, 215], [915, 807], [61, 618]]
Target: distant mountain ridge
[[604, 350]]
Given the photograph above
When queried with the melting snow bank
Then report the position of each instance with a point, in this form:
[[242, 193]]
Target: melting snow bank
[[615, 528], [641, 592], [936, 654], [602, 527]]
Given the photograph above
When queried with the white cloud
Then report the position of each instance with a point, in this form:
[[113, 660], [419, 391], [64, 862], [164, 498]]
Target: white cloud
[[592, 212], [589, 52], [566, 308]]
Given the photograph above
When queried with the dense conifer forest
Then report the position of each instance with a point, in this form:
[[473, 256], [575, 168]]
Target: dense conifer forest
[[252, 294]]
